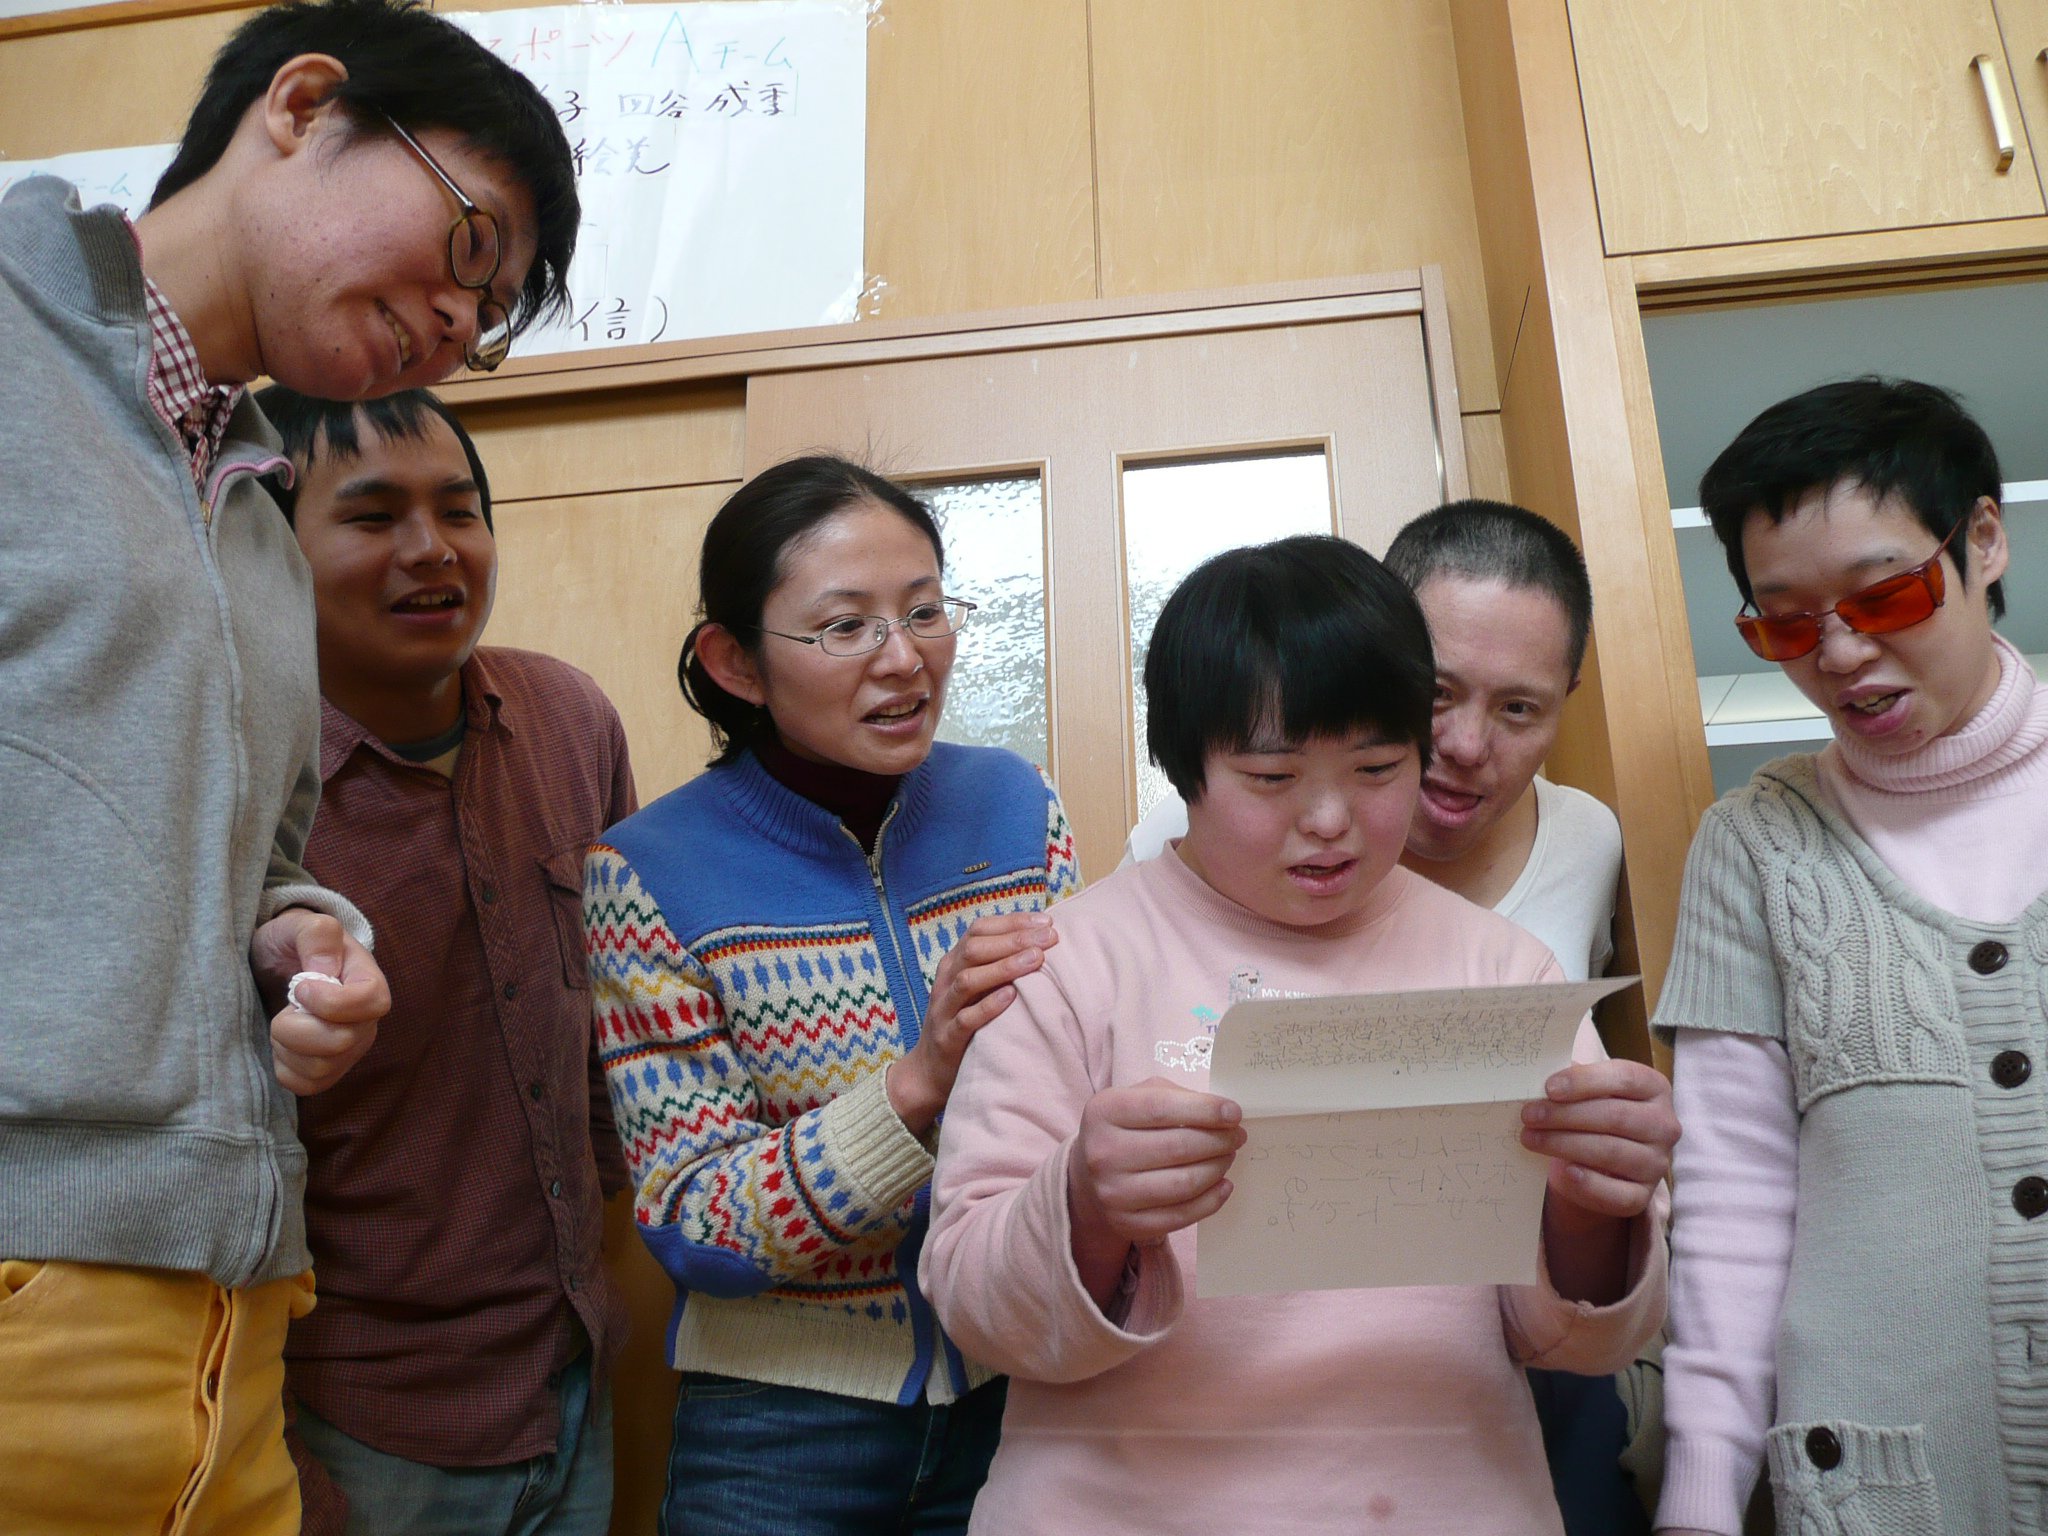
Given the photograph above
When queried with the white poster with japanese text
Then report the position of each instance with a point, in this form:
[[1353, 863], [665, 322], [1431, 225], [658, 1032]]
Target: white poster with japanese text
[[721, 156]]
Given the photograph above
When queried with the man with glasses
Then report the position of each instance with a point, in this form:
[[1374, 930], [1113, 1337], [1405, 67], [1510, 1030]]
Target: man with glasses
[[455, 1376], [170, 974]]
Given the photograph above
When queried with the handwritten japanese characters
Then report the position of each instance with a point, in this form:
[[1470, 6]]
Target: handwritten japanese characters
[[720, 155], [720, 152], [1383, 1137]]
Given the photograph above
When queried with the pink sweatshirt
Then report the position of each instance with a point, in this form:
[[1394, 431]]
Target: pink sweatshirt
[[1385, 1410], [1963, 823]]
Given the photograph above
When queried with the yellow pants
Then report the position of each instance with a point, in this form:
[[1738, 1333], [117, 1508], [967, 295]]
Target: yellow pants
[[139, 1402]]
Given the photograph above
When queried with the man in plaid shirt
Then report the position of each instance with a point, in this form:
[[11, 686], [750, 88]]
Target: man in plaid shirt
[[364, 199], [456, 1374]]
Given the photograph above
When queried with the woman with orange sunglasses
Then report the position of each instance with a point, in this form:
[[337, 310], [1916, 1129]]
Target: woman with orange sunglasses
[[1860, 1275]]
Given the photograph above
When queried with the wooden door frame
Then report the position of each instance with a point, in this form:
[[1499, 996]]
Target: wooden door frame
[[1412, 291]]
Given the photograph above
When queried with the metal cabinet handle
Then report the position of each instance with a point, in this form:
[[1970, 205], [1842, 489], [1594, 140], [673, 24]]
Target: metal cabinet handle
[[1994, 102]]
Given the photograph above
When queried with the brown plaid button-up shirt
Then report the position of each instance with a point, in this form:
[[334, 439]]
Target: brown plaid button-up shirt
[[454, 1202]]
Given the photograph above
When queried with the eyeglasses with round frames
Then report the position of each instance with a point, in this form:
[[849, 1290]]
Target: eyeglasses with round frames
[[1898, 602], [853, 636], [473, 257]]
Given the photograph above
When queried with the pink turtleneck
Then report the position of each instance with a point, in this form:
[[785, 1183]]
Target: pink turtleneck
[[1963, 823]]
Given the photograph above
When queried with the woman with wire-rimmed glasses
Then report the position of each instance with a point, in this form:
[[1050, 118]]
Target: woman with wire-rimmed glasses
[[789, 955]]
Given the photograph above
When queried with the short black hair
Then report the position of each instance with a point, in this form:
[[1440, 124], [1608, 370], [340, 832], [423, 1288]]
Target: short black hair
[[1890, 436], [421, 71], [743, 560], [1309, 633], [1498, 541], [309, 426]]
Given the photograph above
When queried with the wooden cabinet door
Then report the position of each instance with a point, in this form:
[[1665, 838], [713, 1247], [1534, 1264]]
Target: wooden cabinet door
[[2025, 24], [1741, 120]]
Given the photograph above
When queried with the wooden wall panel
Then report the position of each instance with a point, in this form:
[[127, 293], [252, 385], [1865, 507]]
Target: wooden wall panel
[[105, 87], [1502, 188], [1660, 548], [980, 191], [627, 440], [610, 583], [1486, 456], [1294, 138]]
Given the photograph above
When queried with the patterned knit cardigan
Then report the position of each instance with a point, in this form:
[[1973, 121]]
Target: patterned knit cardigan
[[753, 973]]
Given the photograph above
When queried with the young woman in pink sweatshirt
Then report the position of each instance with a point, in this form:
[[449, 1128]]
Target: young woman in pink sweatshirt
[[1290, 689]]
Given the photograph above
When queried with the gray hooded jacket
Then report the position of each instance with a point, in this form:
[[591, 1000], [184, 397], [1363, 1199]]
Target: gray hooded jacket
[[159, 736]]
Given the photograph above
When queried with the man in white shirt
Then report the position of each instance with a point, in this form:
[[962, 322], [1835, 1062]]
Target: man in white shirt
[[1509, 609]]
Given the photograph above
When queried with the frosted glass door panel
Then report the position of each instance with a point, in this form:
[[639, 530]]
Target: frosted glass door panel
[[995, 556], [1176, 515]]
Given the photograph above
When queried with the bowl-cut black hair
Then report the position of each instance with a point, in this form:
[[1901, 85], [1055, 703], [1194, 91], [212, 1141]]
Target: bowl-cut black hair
[[1311, 635]]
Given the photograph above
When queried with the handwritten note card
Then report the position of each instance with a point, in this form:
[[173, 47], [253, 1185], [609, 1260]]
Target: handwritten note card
[[1383, 1142]]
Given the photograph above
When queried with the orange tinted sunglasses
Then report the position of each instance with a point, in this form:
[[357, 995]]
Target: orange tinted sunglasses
[[1897, 602]]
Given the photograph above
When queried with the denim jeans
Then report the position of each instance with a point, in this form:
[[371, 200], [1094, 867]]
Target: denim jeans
[[750, 1459], [1585, 1430], [563, 1492]]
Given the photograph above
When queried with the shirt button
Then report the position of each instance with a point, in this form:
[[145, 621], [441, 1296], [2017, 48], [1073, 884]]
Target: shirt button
[[536, 1091], [572, 1283], [555, 1189], [2011, 1068], [1822, 1448], [1988, 958], [2030, 1196], [490, 894], [511, 990]]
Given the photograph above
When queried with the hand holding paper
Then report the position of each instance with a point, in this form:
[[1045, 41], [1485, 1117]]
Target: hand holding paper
[[1149, 1159], [1383, 1138], [1609, 1128]]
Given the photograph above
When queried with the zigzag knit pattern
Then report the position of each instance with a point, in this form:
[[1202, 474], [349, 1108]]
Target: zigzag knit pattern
[[720, 1058], [744, 1064]]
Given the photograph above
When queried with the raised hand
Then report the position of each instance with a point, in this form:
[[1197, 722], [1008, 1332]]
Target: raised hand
[[975, 982]]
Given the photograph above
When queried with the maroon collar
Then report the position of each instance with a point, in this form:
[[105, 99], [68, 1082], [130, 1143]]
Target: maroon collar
[[859, 799]]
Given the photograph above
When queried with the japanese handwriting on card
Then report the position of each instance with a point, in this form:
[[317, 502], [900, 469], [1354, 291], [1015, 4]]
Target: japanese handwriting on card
[[1383, 1137]]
